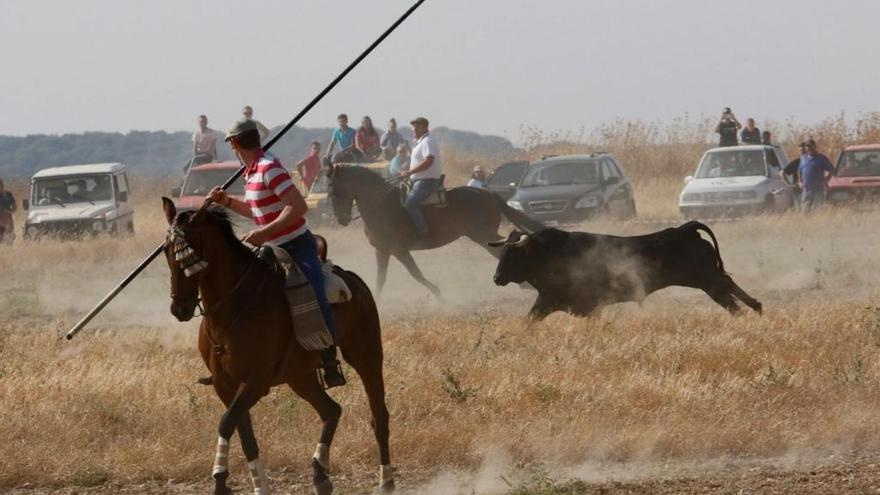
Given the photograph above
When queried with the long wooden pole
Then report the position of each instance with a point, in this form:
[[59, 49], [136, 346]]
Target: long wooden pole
[[134, 273]]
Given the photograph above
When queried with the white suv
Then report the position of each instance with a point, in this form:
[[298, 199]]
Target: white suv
[[737, 180], [79, 200]]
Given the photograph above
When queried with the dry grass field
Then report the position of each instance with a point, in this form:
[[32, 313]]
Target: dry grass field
[[674, 396]]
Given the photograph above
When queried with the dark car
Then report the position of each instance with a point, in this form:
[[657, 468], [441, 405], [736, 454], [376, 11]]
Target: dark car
[[505, 178], [573, 188]]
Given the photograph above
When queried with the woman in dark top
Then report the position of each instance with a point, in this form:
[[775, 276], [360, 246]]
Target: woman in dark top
[[751, 134]]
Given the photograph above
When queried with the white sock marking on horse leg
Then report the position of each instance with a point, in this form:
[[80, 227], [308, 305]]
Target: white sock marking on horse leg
[[322, 455], [386, 474], [258, 476], [221, 459]]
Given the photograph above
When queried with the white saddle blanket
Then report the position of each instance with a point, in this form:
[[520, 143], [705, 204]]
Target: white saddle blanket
[[335, 287]]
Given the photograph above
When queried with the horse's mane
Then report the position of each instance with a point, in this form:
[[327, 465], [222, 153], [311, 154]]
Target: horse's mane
[[363, 175], [220, 217]]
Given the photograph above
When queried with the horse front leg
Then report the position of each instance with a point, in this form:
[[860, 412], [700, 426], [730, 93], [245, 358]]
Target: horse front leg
[[407, 260], [252, 454], [311, 390], [382, 259], [236, 415]]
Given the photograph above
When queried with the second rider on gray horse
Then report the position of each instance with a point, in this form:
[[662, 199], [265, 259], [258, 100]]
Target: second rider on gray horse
[[426, 173]]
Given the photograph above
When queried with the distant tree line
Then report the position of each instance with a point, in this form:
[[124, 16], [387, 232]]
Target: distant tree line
[[165, 153]]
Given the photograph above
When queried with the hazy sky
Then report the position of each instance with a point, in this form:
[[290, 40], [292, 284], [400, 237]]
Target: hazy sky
[[484, 65]]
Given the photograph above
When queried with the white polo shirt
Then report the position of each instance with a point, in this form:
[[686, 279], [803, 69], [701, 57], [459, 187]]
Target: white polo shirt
[[425, 147]]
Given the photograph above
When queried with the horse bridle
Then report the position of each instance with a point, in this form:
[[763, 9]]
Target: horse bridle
[[191, 264]]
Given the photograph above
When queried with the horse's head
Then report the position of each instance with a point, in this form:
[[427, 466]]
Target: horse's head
[[187, 251], [340, 192]]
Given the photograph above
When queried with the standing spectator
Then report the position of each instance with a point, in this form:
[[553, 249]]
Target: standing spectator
[[814, 171], [426, 173], [391, 139], [343, 136], [400, 161], [204, 143], [366, 140], [766, 138], [7, 208], [478, 178], [248, 113], [727, 127], [309, 166], [751, 134]]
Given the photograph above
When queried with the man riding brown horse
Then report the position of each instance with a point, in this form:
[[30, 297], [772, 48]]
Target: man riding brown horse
[[278, 209]]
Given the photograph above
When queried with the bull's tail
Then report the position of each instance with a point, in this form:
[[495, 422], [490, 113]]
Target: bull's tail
[[699, 226], [518, 218]]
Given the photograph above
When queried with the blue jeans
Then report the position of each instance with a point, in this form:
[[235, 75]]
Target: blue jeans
[[304, 251], [812, 199], [413, 204]]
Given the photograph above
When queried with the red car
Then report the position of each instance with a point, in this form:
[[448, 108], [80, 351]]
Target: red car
[[856, 175], [199, 180]]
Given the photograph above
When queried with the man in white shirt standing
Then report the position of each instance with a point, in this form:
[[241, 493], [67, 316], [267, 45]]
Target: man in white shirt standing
[[204, 143], [425, 171]]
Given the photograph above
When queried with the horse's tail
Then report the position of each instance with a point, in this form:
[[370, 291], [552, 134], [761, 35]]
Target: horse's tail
[[518, 218], [699, 226]]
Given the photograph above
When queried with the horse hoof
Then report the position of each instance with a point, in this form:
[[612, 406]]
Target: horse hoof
[[387, 487], [324, 488]]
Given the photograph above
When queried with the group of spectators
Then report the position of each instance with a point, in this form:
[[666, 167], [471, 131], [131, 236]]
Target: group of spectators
[[364, 144], [750, 134], [809, 173]]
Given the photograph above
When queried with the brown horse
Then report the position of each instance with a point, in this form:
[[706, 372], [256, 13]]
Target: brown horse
[[469, 212], [247, 340]]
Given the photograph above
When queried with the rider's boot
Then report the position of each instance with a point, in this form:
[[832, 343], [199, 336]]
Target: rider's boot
[[332, 370]]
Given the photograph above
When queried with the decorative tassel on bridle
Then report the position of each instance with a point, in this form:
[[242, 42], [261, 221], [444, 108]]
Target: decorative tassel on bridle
[[188, 260]]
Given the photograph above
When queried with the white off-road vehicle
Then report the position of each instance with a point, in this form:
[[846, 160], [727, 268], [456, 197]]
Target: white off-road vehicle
[[735, 181], [79, 200]]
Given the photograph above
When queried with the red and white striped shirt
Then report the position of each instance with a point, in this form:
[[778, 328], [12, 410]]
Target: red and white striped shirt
[[266, 180]]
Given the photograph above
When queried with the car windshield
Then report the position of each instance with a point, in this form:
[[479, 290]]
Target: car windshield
[[733, 163], [200, 182], [67, 190], [859, 164], [562, 174]]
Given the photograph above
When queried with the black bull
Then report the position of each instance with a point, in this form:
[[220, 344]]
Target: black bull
[[579, 272]]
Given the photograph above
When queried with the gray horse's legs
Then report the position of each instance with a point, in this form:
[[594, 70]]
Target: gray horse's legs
[[382, 259], [413, 269]]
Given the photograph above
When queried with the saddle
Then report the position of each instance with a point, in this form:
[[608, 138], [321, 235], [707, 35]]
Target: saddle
[[437, 198], [309, 326], [282, 264]]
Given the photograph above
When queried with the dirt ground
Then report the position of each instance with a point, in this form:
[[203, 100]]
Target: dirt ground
[[669, 397], [835, 474]]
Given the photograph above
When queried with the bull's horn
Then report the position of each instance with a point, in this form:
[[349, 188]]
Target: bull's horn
[[498, 243], [523, 239]]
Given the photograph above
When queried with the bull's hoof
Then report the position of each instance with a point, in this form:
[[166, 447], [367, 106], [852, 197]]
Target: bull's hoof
[[205, 380], [324, 488], [387, 487]]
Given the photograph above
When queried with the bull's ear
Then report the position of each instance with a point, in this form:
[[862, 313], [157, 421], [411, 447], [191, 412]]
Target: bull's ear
[[331, 169], [170, 210]]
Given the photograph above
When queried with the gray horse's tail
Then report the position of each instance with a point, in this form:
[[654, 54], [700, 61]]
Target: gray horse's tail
[[518, 218]]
